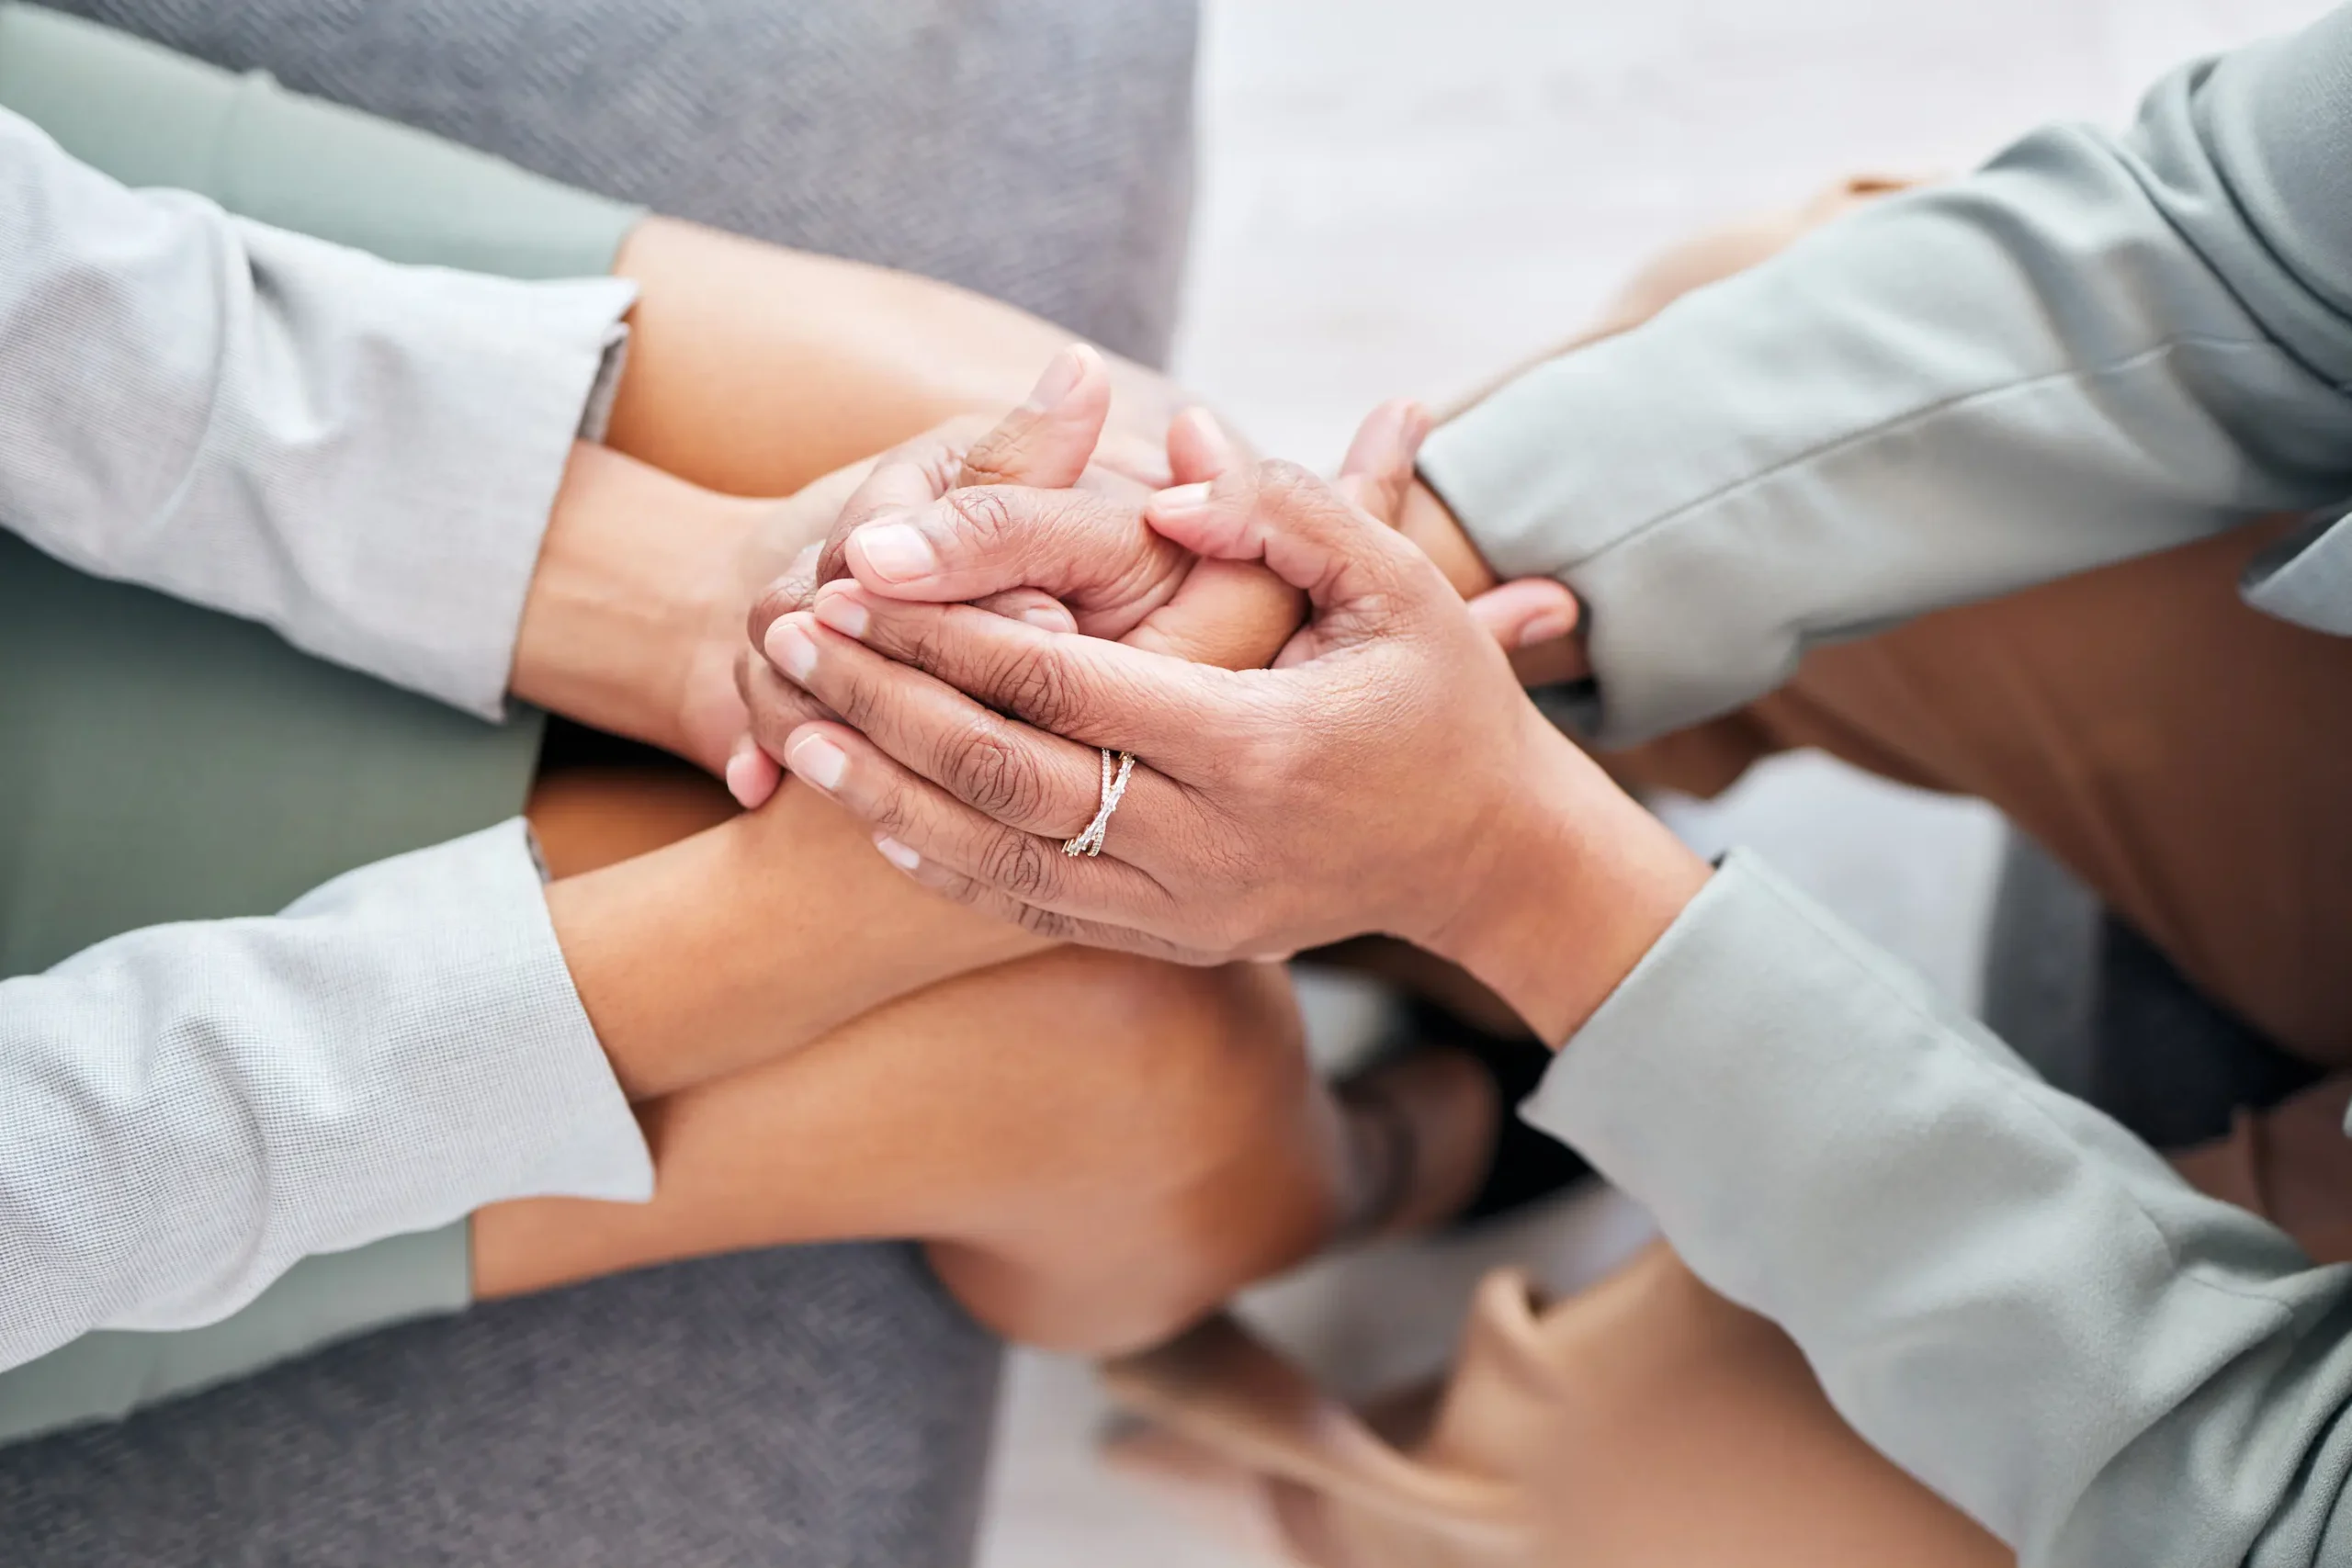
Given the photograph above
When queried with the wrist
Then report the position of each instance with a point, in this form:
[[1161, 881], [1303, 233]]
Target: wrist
[[752, 939], [630, 591], [1424, 518], [1580, 882]]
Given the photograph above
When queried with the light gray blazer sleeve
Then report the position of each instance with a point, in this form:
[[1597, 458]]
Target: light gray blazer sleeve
[[187, 1111], [2001, 1289], [2097, 346], [359, 455]]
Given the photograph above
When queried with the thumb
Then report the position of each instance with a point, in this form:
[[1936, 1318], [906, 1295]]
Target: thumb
[[1198, 447], [1307, 532], [1531, 620], [1378, 467], [1526, 612], [1049, 439]]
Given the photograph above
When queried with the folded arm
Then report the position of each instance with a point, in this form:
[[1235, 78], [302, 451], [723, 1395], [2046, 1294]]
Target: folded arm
[[190, 1108], [358, 455], [2095, 347], [2004, 1290]]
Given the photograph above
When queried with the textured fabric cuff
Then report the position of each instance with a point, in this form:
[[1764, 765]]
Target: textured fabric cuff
[[534, 367], [486, 384], [1572, 471], [515, 1093], [471, 1074]]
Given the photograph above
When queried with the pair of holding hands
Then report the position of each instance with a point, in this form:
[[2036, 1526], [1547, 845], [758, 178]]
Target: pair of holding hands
[[1329, 740]]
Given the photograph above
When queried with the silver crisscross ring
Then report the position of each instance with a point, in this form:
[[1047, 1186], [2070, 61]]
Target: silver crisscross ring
[[1114, 785]]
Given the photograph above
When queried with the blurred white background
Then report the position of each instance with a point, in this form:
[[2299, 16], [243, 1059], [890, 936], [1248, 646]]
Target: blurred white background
[[1401, 197]]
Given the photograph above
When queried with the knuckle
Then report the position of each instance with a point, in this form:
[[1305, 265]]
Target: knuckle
[[1045, 923], [833, 560], [775, 707], [916, 640], [864, 704], [988, 771], [892, 811], [996, 461], [1280, 476], [984, 512], [892, 807], [777, 600], [1016, 863], [1037, 687]]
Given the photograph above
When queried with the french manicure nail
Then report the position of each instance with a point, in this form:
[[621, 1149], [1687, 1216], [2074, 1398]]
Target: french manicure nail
[[1063, 373], [844, 614], [819, 762], [743, 775], [1181, 501], [894, 552], [1548, 627], [897, 854], [791, 650]]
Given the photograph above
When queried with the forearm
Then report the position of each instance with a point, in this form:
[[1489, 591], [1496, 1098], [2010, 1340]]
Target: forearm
[[747, 940], [634, 583], [2002, 1290], [192, 1108], [754, 368], [357, 455]]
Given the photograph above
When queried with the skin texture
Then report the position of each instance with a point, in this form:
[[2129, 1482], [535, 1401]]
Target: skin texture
[[754, 373], [1647, 1420], [1094, 1148], [820, 1048], [1388, 775], [1440, 810]]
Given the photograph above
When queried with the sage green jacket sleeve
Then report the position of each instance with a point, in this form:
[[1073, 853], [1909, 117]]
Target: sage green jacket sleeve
[[2094, 348], [2097, 346], [2001, 1289]]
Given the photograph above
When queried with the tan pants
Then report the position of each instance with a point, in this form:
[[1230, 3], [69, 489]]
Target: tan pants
[[2187, 758]]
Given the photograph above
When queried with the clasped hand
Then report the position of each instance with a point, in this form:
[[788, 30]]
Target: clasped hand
[[1374, 767]]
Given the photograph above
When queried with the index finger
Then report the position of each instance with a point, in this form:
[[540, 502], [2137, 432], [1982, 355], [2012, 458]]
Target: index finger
[[970, 543], [1171, 713], [909, 475]]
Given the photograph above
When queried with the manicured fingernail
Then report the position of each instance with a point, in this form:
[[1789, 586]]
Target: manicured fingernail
[[819, 762], [844, 614], [894, 552], [1063, 373], [1049, 617], [897, 854], [791, 649], [1184, 501], [1548, 627], [744, 775]]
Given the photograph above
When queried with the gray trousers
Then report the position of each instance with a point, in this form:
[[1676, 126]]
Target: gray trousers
[[815, 1406], [1037, 151]]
